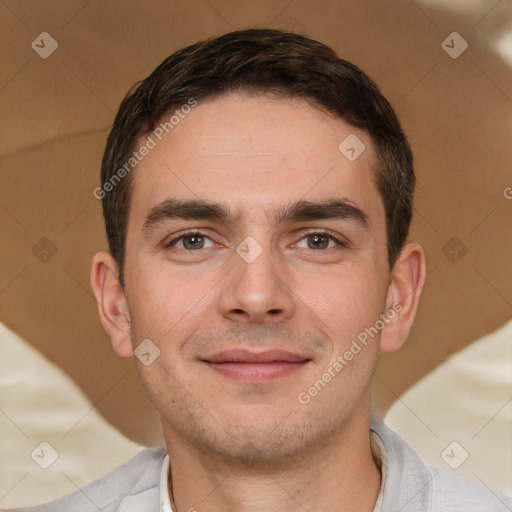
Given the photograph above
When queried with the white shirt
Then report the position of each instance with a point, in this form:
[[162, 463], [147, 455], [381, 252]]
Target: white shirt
[[377, 448], [409, 484]]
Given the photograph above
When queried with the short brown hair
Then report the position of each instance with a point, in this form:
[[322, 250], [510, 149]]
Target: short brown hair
[[261, 61]]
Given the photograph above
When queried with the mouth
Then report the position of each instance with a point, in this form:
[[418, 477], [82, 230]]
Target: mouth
[[246, 366]]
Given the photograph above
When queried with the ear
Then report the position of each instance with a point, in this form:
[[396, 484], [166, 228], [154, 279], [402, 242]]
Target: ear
[[112, 306], [405, 287]]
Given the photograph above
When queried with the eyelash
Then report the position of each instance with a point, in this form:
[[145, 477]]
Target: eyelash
[[303, 234]]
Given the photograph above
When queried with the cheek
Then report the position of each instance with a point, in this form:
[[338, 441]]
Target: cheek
[[168, 306], [347, 301]]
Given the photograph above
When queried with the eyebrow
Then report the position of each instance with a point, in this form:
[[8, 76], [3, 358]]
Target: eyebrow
[[299, 211]]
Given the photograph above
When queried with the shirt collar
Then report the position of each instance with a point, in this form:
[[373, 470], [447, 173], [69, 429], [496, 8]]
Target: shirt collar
[[165, 502], [380, 455]]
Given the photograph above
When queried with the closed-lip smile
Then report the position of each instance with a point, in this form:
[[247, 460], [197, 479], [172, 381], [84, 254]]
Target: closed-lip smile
[[248, 366]]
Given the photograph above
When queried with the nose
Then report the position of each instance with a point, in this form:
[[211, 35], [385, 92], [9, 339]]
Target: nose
[[257, 290]]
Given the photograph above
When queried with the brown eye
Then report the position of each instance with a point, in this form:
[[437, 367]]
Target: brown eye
[[319, 241], [191, 242], [316, 241]]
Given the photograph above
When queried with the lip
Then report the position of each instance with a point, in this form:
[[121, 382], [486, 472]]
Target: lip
[[245, 356], [247, 366]]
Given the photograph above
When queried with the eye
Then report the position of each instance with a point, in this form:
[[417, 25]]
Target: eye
[[319, 241], [191, 241]]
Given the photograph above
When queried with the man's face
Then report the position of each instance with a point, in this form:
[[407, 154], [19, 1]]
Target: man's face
[[261, 295]]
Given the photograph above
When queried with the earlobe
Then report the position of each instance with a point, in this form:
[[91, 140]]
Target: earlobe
[[405, 287], [112, 306]]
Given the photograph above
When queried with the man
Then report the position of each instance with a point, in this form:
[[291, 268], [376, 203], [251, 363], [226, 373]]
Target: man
[[257, 193]]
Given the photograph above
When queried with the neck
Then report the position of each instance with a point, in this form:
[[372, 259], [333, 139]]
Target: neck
[[340, 476]]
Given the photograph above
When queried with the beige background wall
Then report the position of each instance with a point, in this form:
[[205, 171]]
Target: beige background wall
[[55, 114]]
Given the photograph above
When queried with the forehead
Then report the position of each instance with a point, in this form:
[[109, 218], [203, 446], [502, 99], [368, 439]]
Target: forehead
[[256, 153]]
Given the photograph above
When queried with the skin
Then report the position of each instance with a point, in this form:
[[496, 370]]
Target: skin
[[240, 444]]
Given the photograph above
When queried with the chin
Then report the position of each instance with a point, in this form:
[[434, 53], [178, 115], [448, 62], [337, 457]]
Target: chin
[[264, 440]]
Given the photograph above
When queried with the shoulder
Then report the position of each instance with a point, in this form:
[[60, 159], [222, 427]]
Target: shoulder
[[455, 493], [415, 486], [136, 481]]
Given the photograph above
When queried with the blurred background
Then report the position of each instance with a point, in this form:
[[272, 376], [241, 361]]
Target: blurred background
[[70, 410]]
